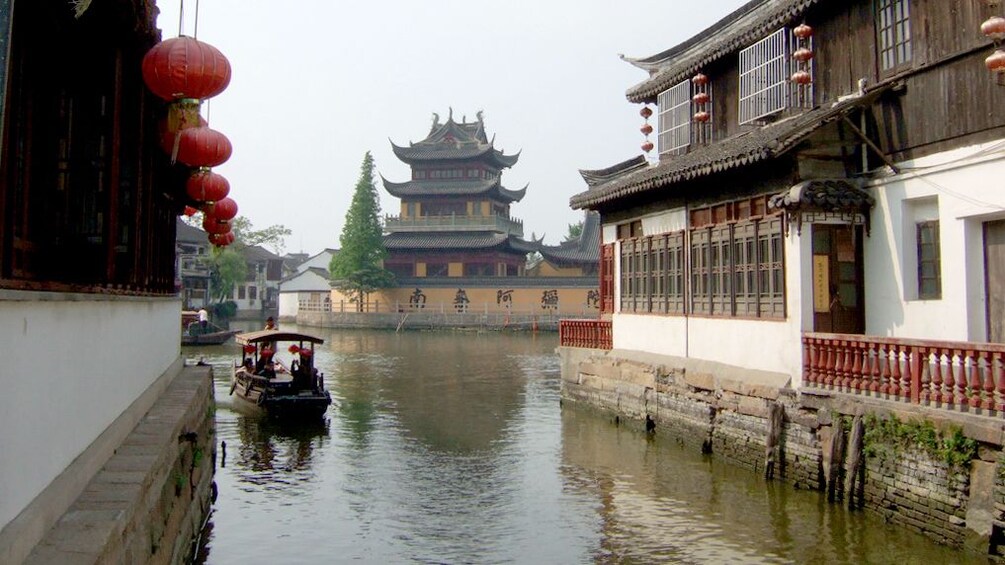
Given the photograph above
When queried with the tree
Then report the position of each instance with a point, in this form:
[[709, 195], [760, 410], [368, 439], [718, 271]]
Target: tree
[[226, 271], [272, 237], [358, 268], [575, 230]]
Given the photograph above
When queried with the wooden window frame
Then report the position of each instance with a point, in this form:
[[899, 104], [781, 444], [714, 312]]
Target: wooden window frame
[[893, 35], [933, 262]]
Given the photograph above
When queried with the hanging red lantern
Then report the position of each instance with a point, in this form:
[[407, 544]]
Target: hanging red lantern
[[645, 112], [802, 31], [190, 211], [702, 116], [701, 98], [294, 349], [169, 129], [249, 348], [994, 28], [647, 146], [184, 67], [802, 54], [225, 209], [646, 129], [221, 239], [206, 186], [700, 79], [801, 78], [203, 147], [996, 62], [306, 353], [212, 225]]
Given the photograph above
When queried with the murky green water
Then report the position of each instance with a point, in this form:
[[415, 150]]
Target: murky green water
[[453, 448]]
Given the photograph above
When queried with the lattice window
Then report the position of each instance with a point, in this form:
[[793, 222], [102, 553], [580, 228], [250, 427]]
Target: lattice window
[[771, 269], [700, 272], [929, 261], [675, 273], [764, 74], [721, 266], [641, 276], [657, 254], [745, 268], [893, 27], [674, 119], [627, 276]]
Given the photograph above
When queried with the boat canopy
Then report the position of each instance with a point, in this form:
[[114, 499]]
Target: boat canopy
[[274, 335]]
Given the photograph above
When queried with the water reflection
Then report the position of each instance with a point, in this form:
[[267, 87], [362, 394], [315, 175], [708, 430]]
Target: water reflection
[[452, 448]]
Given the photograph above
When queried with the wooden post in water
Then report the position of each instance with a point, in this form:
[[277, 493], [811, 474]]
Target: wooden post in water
[[772, 448], [853, 471]]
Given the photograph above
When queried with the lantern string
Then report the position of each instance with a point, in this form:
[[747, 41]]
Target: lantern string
[[181, 16], [195, 30]]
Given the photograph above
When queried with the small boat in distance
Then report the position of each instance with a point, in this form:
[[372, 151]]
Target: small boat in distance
[[283, 389], [193, 333]]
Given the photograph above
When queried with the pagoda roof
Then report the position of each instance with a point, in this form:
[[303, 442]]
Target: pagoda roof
[[451, 141], [480, 187], [447, 241], [584, 249]]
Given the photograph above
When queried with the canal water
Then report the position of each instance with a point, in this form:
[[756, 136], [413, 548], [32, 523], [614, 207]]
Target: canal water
[[453, 447]]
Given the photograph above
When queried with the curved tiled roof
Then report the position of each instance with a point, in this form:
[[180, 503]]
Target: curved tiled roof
[[758, 144], [829, 195], [453, 188], [452, 141], [585, 249], [750, 23], [600, 176], [447, 241]]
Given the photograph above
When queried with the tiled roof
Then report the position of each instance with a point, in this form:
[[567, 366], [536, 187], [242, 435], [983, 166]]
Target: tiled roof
[[188, 234], [740, 29], [600, 176], [749, 147], [454, 141], [585, 249], [447, 241], [829, 195], [453, 188]]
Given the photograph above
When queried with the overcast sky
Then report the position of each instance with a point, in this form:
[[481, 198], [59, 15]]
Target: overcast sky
[[317, 83]]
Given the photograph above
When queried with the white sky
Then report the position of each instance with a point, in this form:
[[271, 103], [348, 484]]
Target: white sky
[[317, 83]]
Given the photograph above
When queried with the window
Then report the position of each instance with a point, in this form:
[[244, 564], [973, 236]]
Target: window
[[929, 261], [437, 269], [674, 134], [403, 270], [764, 77], [479, 269], [893, 26]]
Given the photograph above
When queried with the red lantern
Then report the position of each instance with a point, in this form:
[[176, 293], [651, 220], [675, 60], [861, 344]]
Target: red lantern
[[802, 54], [206, 186], [169, 131], [294, 349], [190, 211], [996, 62], [266, 353], [801, 78], [183, 67], [203, 147], [645, 112], [249, 348], [306, 353], [221, 239], [700, 79], [212, 225], [647, 146], [994, 27], [702, 116], [802, 31], [225, 209], [646, 129], [700, 98]]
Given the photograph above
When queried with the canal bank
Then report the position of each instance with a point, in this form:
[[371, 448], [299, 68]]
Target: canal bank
[[936, 472], [150, 498]]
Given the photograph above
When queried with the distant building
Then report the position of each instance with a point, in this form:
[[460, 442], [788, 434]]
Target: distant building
[[192, 266], [307, 287]]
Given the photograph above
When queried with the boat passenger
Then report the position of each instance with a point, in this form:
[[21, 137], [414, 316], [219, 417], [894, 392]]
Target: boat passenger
[[269, 371]]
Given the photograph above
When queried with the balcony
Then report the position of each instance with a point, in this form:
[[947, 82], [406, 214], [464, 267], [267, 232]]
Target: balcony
[[957, 376], [454, 222], [589, 334]]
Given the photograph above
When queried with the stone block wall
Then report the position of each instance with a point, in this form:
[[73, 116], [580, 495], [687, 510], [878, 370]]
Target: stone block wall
[[822, 441]]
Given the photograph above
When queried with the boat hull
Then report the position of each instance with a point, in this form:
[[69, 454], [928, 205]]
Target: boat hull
[[255, 394]]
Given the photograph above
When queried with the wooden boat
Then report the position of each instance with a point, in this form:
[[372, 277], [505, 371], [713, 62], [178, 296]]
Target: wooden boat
[[209, 338], [261, 379]]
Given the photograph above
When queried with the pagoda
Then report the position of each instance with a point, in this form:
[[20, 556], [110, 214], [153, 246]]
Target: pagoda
[[455, 213]]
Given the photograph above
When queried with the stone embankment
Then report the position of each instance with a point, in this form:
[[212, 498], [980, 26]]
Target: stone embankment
[[936, 471], [150, 500]]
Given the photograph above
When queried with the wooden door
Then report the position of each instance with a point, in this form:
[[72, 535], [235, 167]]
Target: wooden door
[[994, 269], [838, 292]]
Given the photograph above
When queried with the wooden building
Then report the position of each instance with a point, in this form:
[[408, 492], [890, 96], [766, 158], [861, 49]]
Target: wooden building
[[455, 213], [822, 169], [88, 205]]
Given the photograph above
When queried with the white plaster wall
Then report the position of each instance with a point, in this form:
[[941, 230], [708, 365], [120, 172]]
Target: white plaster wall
[[289, 304], [966, 185], [322, 260], [665, 335], [69, 366]]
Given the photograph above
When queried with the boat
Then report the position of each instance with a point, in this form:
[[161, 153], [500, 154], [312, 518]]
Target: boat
[[192, 332], [265, 382]]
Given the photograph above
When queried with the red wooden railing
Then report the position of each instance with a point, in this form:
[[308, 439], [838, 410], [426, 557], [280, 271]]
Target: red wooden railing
[[593, 334], [945, 374]]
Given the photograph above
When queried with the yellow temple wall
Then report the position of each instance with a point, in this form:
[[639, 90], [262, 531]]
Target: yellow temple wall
[[462, 298]]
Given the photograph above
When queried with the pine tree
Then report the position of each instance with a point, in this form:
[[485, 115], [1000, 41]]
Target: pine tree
[[358, 267]]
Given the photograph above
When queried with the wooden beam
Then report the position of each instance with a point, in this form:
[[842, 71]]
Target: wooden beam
[[865, 139]]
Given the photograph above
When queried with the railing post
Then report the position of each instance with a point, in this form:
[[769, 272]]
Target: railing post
[[914, 365]]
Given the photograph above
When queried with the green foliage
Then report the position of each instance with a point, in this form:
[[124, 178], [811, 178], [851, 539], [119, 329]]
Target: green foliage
[[357, 269], [575, 230], [226, 271], [883, 436], [272, 237], [223, 310]]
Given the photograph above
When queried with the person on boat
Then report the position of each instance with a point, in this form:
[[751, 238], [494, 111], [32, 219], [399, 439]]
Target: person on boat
[[203, 318], [269, 371], [264, 358], [270, 324]]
